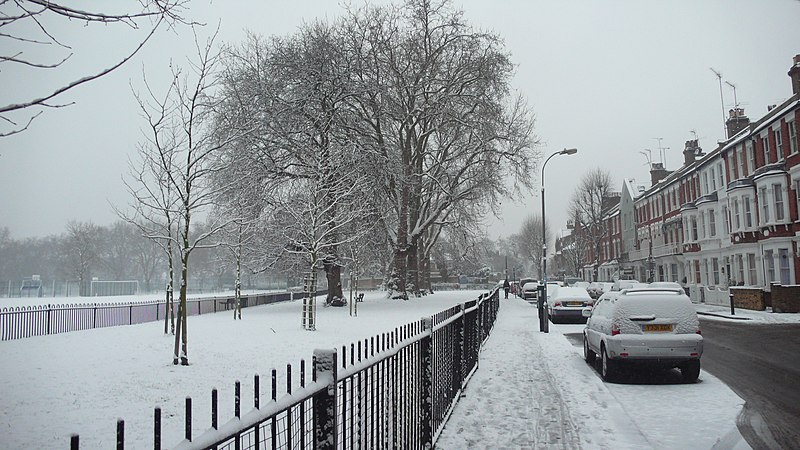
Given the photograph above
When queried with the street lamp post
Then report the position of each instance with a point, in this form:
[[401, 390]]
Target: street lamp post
[[544, 325]]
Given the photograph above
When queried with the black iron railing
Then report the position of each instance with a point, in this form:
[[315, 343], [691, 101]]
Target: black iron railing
[[27, 321], [393, 390]]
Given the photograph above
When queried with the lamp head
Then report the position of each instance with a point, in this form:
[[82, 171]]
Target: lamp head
[[568, 151]]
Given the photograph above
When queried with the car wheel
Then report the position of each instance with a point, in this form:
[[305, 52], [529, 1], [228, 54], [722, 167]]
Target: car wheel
[[608, 367], [690, 371], [588, 354]]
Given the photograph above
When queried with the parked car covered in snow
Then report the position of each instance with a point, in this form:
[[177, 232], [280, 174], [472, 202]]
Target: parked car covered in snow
[[597, 288], [568, 303], [530, 290], [619, 285], [651, 326]]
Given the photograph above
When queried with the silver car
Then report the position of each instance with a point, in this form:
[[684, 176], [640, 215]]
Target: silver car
[[657, 327]]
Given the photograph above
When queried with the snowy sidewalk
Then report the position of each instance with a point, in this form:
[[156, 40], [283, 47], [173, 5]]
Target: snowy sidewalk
[[533, 390]]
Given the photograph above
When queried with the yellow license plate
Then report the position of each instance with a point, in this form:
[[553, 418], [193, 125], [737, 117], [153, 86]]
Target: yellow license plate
[[657, 328]]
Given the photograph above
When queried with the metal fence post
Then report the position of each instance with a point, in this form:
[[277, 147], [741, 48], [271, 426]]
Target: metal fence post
[[120, 434], [458, 351], [426, 384], [325, 431], [157, 429]]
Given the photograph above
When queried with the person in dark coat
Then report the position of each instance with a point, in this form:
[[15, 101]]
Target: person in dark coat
[[506, 286]]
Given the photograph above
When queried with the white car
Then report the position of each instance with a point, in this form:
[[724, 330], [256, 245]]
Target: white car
[[568, 303], [627, 284], [652, 326], [530, 291]]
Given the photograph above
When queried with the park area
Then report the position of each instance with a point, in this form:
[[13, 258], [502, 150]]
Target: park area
[[81, 382]]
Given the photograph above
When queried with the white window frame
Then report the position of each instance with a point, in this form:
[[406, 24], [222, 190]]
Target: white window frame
[[736, 218], [769, 266], [752, 273], [784, 267], [796, 184], [740, 264], [763, 199], [792, 137], [765, 145], [740, 163], [778, 202], [746, 211], [751, 157], [776, 133], [712, 224]]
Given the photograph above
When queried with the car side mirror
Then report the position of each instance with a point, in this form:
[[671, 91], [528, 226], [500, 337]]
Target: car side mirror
[[586, 312]]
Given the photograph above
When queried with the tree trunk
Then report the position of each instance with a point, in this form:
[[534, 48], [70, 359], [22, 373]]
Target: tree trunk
[[333, 273], [412, 285], [425, 268], [169, 308], [397, 279], [182, 313], [238, 290], [175, 355]]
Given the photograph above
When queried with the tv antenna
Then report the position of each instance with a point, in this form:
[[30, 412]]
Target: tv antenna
[[661, 152], [648, 156], [735, 102], [721, 99]]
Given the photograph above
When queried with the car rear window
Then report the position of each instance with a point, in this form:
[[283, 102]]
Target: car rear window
[[674, 308]]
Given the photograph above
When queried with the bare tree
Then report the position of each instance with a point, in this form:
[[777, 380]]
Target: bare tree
[[588, 207], [80, 252], [184, 144], [434, 105], [27, 26], [296, 86], [529, 242]]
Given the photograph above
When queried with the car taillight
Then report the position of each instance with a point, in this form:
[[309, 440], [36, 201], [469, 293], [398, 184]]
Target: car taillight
[[698, 331], [614, 329], [557, 304]]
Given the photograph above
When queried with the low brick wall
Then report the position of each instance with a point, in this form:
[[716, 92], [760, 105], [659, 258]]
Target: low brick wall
[[749, 298], [785, 299]]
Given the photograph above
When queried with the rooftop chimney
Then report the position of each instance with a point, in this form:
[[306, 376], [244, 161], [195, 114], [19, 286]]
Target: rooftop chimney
[[737, 121], [691, 150], [657, 173], [794, 74]]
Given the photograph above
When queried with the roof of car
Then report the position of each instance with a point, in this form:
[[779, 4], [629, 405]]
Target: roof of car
[[575, 292]]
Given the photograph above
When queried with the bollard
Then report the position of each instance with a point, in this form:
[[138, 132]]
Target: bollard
[[730, 296]]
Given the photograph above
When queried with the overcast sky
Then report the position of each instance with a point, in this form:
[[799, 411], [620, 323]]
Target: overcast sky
[[604, 77]]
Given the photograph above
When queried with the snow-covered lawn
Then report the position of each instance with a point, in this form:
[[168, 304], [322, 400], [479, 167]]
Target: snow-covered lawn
[[81, 382]]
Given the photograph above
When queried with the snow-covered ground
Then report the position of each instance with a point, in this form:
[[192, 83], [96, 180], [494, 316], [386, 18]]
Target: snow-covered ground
[[722, 313], [532, 390]]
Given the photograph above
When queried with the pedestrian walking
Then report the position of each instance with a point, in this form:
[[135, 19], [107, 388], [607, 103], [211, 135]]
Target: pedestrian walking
[[506, 286]]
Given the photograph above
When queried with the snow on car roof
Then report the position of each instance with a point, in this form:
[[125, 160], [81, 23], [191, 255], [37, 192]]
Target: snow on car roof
[[572, 292]]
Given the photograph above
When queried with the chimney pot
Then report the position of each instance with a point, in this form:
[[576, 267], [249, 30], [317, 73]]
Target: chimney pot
[[794, 74]]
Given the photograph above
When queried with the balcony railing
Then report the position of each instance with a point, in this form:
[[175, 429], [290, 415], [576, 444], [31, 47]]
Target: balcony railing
[[658, 251], [667, 249]]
